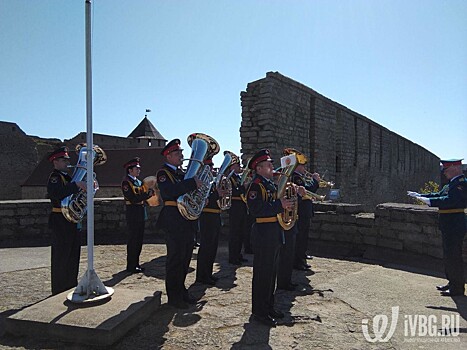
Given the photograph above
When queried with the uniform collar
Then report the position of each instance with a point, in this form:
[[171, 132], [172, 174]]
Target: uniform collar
[[457, 177], [174, 168]]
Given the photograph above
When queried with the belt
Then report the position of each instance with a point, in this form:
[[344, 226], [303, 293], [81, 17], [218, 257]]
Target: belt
[[237, 198], [170, 203], [450, 211], [129, 203], [56, 210], [266, 220], [210, 210]]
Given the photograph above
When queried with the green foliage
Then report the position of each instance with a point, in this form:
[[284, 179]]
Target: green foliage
[[428, 187]]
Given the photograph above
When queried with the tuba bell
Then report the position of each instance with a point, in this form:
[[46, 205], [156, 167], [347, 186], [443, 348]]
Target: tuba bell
[[223, 182], [191, 204], [286, 189], [74, 206]]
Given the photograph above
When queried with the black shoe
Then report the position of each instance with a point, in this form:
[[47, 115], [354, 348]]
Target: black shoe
[[178, 304], [207, 281], [302, 267], [266, 320], [136, 269], [443, 288], [449, 293], [276, 314], [309, 257], [288, 287]]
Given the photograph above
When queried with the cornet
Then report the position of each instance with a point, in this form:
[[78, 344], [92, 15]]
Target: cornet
[[322, 183]]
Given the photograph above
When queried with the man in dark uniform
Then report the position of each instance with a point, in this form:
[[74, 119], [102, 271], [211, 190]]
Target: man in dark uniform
[[451, 201], [305, 212], [209, 230], [180, 232], [66, 237], [266, 237], [135, 194], [238, 224]]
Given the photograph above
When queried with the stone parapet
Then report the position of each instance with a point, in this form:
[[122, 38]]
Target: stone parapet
[[401, 227]]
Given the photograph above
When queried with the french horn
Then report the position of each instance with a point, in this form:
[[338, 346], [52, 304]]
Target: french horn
[[150, 182]]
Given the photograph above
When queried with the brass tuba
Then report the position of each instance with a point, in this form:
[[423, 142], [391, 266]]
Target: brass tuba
[[74, 206], [223, 182], [191, 204], [286, 189]]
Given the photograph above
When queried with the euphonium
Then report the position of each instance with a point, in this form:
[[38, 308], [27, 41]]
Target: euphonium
[[191, 204], [223, 182], [286, 189], [243, 179], [74, 206]]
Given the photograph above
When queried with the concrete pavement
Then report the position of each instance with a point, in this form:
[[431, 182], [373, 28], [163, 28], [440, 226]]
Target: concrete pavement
[[326, 312]]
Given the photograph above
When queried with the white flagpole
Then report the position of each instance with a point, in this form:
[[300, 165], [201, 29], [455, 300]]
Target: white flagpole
[[90, 287]]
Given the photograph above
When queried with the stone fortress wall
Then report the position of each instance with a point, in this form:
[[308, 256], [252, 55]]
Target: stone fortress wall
[[369, 163], [403, 228]]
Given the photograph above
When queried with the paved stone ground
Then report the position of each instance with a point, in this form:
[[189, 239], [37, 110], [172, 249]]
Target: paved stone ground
[[326, 313]]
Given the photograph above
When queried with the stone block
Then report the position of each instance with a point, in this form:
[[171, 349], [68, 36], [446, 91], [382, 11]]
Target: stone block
[[405, 226], [370, 240], [390, 243], [413, 246]]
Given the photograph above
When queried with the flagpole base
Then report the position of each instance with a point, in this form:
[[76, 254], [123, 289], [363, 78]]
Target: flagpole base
[[90, 289]]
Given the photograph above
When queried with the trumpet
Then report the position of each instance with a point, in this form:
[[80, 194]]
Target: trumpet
[[322, 183], [312, 195]]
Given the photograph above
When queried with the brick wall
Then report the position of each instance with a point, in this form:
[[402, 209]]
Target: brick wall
[[369, 163]]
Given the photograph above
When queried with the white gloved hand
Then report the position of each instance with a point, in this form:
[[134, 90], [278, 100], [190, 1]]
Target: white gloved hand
[[424, 200], [413, 194]]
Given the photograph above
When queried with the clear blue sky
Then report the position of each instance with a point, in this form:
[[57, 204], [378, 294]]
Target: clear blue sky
[[401, 63]]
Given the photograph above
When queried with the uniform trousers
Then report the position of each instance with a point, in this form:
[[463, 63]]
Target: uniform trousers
[[266, 239], [238, 226], [286, 258], [135, 243], [66, 250], [301, 244], [210, 225], [453, 228], [180, 235]]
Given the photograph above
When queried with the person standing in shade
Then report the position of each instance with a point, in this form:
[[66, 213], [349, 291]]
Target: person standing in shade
[[451, 201], [238, 223], [305, 212], [267, 237], [180, 232], [66, 235], [209, 230], [135, 195]]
